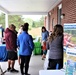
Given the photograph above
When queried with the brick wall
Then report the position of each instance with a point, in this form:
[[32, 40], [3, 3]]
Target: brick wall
[[69, 9], [45, 21], [53, 17]]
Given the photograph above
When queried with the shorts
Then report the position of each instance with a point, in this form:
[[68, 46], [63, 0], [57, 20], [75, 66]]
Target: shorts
[[44, 46], [12, 55], [44, 52]]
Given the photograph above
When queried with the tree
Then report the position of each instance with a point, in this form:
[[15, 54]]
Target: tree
[[42, 21], [28, 20], [33, 24], [2, 19], [17, 20], [38, 23]]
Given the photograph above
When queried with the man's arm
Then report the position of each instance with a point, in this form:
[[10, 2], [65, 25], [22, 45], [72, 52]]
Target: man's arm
[[31, 42]]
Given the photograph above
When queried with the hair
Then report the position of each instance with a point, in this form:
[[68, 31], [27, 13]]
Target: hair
[[12, 25], [58, 31], [43, 28], [25, 27], [21, 25]]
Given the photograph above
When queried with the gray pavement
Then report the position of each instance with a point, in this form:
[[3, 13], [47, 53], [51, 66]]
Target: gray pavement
[[36, 64]]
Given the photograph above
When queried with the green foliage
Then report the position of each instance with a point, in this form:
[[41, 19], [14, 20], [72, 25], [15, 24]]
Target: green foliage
[[38, 23], [2, 20], [33, 24], [17, 20], [42, 21], [28, 20]]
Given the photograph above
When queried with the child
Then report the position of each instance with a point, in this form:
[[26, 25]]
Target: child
[[19, 32]]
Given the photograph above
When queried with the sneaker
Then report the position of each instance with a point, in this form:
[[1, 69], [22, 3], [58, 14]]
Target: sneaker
[[42, 58], [8, 69], [14, 70]]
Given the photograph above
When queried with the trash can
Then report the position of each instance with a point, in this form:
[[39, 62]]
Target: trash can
[[37, 48]]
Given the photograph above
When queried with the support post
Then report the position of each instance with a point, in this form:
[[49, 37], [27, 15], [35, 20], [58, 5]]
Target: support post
[[6, 20]]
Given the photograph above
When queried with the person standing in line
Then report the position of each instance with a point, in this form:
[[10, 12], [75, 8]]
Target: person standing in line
[[15, 30], [2, 31], [19, 32], [11, 45], [55, 46], [45, 35], [1, 35], [26, 46]]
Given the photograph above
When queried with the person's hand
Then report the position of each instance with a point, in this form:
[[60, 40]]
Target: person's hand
[[18, 48], [15, 50]]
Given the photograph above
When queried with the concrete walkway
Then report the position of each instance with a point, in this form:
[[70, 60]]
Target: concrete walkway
[[36, 64]]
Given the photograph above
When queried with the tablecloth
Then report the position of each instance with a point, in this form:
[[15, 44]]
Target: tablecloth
[[51, 72], [3, 53]]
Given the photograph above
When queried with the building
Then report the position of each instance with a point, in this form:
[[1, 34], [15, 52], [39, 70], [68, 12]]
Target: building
[[64, 12]]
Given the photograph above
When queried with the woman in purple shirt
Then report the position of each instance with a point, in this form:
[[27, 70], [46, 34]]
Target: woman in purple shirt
[[55, 46]]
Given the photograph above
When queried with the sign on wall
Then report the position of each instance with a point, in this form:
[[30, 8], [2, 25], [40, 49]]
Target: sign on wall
[[69, 42], [70, 34]]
